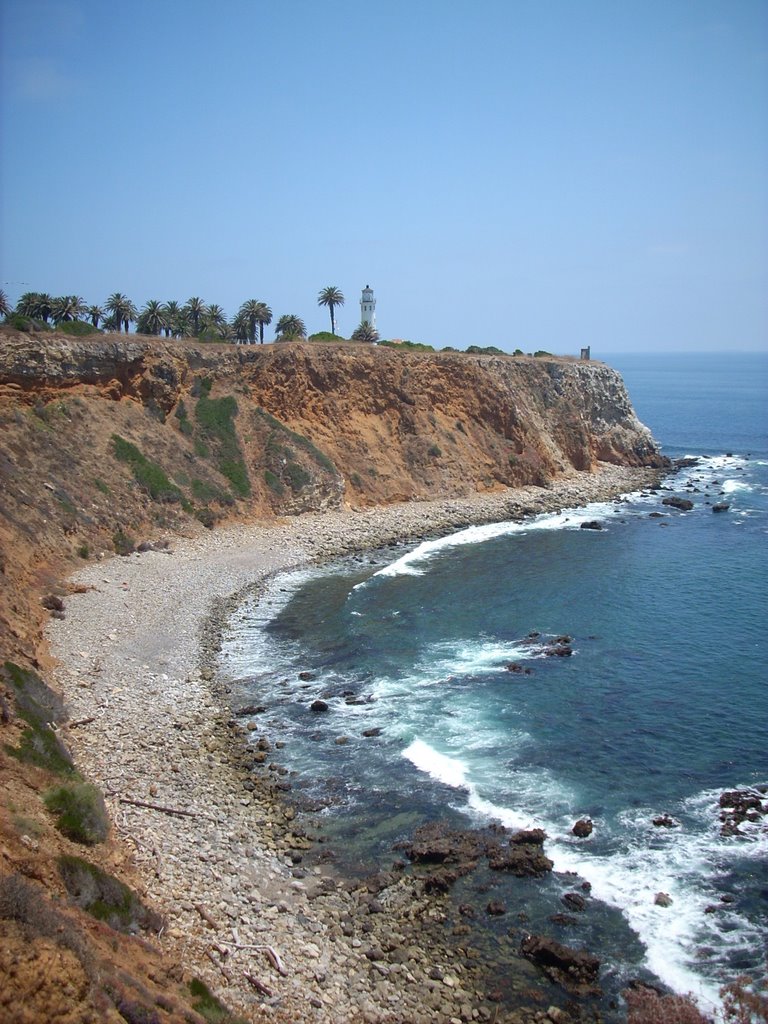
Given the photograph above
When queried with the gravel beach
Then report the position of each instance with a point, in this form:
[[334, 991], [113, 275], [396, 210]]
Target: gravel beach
[[149, 723]]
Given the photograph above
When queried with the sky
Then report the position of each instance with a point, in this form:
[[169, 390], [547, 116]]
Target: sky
[[534, 174]]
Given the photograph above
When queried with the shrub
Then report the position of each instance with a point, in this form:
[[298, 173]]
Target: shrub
[[407, 346], [434, 451], [325, 336], [216, 418], [101, 486], [541, 352], [84, 551], [39, 707], [185, 426], [356, 480], [80, 811], [298, 477], [147, 474], [201, 386], [485, 350], [105, 897], [280, 430], [273, 482], [206, 517], [77, 328], [208, 1006], [203, 491], [123, 543]]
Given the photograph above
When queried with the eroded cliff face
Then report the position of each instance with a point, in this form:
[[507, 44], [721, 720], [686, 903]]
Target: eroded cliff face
[[111, 441], [107, 443]]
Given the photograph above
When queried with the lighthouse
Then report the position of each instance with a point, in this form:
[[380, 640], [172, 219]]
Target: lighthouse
[[368, 307]]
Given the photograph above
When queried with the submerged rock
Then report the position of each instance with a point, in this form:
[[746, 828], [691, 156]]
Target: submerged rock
[[573, 969], [683, 504]]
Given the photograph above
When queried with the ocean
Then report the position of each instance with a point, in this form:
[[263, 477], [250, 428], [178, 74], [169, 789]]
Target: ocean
[[661, 707]]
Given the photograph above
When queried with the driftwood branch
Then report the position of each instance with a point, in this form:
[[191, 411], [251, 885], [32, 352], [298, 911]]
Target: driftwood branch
[[165, 810], [80, 721], [227, 974], [275, 960], [206, 916], [260, 987], [269, 951]]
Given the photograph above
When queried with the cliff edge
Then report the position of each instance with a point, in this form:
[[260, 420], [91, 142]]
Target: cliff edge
[[108, 442]]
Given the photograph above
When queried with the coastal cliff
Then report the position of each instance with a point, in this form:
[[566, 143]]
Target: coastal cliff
[[110, 443]]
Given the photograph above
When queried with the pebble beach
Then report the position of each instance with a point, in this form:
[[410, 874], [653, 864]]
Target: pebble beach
[[217, 848]]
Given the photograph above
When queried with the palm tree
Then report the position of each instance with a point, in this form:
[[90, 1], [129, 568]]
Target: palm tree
[[214, 318], [37, 305], [5, 306], [172, 313], [241, 329], [152, 319], [195, 309], [331, 297], [365, 332], [255, 312], [67, 307], [263, 317], [94, 314], [122, 310], [290, 327]]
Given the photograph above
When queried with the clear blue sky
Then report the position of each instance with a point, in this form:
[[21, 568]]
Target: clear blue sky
[[532, 173]]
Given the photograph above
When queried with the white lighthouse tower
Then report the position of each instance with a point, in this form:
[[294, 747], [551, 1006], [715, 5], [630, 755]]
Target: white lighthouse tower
[[368, 307]]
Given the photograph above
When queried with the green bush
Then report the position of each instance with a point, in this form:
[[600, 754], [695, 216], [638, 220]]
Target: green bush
[[216, 417], [201, 386], [77, 328], [487, 350], [26, 323], [207, 1005], [407, 346], [541, 352], [203, 491], [206, 517], [105, 897], [434, 451], [40, 708], [146, 474], [80, 812], [280, 430], [298, 477], [325, 336], [273, 482], [123, 543]]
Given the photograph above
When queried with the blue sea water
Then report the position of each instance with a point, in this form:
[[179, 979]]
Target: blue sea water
[[661, 707]]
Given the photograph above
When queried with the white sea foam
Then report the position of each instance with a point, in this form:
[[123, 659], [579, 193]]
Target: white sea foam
[[412, 563], [448, 770], [730, 486], [684, 863]]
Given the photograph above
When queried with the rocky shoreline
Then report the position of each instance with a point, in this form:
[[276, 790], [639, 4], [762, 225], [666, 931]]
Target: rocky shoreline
[[217, 847]]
